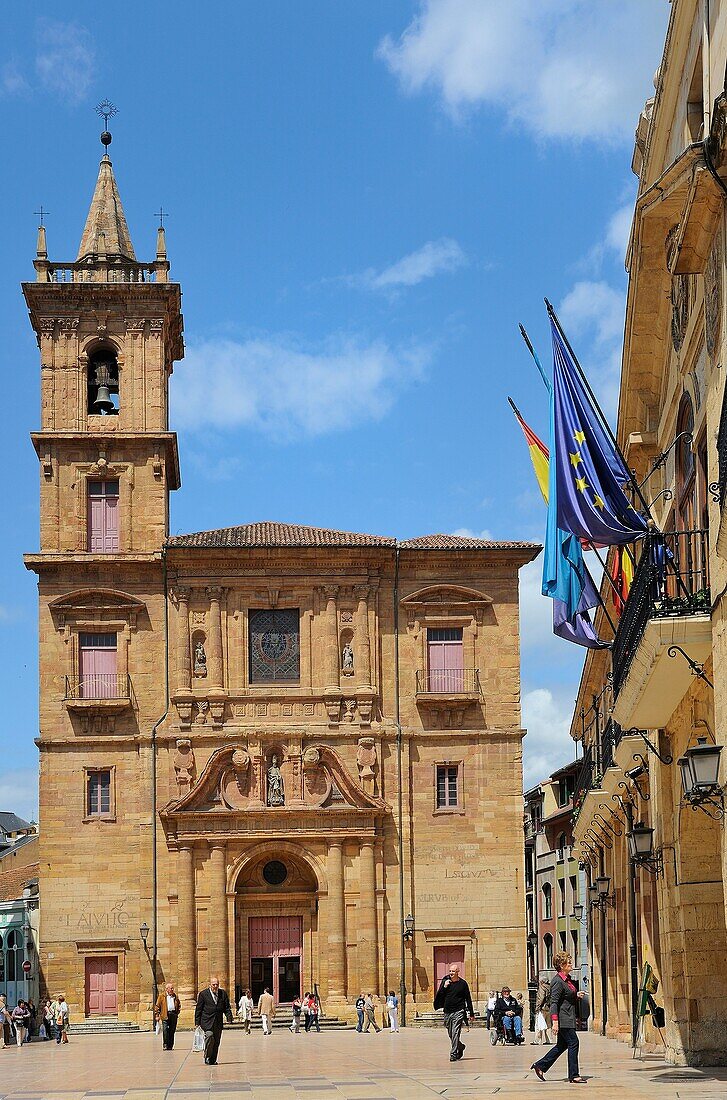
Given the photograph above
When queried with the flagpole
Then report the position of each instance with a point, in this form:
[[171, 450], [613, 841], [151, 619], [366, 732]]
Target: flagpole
[[533, 352], [597, 407]]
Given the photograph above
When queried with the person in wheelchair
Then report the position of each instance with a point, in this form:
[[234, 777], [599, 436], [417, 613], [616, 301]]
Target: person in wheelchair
[[508, 1017]]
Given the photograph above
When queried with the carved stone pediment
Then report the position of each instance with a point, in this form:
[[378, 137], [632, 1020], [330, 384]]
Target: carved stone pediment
[[232, 781], [447, 595], [96, 603]]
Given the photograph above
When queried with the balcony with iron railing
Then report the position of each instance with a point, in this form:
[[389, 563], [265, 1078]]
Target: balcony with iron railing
[[99, 691], [448, 681], [668, 605], [719, 488]]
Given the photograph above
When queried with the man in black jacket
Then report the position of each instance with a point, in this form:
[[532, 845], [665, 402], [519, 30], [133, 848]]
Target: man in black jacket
[[213, 1005], [508, 1009], [455, 998]]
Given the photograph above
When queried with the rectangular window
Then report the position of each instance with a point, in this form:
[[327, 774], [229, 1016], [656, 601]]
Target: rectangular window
[[561, 897], [98, 793], [98, 678], [447, 786], [445, 667], [103, 516], [274, 645]]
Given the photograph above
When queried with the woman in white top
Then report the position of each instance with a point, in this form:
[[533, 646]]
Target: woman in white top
[[392, 1007], [245, 1010]]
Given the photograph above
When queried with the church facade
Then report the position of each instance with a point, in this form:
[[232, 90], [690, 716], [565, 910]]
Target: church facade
[[285, 755]]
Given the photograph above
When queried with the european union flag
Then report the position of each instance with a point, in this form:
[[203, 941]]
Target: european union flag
[[587, 471]]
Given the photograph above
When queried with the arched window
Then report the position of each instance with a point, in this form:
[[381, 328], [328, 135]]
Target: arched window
[[547, 901], [103, 383], [548, 950], [2, 960], [562, 845], [686, 468], [14, 956]]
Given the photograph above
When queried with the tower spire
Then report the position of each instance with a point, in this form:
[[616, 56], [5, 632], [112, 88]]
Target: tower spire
[[106, 229]]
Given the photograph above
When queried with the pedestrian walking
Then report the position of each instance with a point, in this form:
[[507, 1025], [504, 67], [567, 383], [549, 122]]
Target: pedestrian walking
[[266, 1010], [455, 998], [542, 1006], [46, 1027], [245, 1009], [297, 1009], [61, 1018], [370, 1013], [564, 1013], [167, 1011], [21, 1020], [32, 1025], [392, 1007], [490, 1011], [213, 1008], [4, 1019], [314, 1013], [360, 1002]]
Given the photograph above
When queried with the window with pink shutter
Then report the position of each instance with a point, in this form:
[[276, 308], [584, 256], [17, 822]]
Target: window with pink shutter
[[445, 659], [97, 666], [103, 516]]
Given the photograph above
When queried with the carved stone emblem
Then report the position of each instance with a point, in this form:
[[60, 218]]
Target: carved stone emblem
[[183, 760], [349, 710], [202, 711], [713, 297], [311, 757], [366, 757]]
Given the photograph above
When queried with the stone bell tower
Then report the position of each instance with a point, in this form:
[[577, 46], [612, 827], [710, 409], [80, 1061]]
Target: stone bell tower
[[109, 329]]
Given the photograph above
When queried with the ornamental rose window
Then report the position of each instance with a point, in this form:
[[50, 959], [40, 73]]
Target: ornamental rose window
[[275, 645]]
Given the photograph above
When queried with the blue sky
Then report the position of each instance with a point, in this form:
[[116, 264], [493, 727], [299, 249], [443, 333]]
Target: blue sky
[[365, 199]]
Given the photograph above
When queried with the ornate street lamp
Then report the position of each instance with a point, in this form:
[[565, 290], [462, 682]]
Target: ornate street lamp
[[408, 927], [699, 769], [599, 894], [642, 851], [144, 933], [578, 912]]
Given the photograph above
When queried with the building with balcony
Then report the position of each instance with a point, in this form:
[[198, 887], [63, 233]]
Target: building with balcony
[[555, 885], [655, 705], [289, 756]]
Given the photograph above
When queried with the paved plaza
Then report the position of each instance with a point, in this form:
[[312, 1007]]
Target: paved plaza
[[412, 1065]]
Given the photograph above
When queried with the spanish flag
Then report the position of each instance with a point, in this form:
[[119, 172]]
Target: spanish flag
[[622, 574], [538, 453]]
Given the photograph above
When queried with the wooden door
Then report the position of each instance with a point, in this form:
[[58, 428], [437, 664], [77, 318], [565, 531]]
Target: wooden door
[[102, 986], [279, 941], [445, 659], [444, 957]]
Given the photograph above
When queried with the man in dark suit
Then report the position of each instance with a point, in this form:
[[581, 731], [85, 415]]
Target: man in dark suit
[[213, 1005]]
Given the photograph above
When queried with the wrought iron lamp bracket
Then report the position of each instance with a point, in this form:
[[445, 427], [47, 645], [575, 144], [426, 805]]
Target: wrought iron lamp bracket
[[635, 731], [714, 799], [715, 490], [608, 825], [696, 667], [660, 460], [654, 863]]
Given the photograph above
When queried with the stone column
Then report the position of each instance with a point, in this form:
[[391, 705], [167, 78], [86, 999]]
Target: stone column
[[331, 639], [336, 923], [186, 925], [214, 653], [184, 659], [218, 913], [367, 942], [362, 644]]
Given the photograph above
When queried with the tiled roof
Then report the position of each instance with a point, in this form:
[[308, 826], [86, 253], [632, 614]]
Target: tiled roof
[[277, 534], [459, 542], [258, 535], [13, 881]]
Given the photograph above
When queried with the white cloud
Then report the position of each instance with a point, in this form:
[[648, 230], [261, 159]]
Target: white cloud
[[572, 69], [433, 258], [618, 230], [64, 60], [536, 610], [548, 745], [12, 80], [468, 533], [19, 792], [592, 313], [276, 385]]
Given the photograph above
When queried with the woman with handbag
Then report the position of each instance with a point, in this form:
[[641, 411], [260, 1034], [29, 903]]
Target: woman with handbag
[[564, 1012], [542, 1005]]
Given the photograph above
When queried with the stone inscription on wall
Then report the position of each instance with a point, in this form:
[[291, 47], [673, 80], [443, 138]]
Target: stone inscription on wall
[[92, 918]]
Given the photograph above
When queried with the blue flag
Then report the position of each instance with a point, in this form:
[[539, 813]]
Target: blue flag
[[587, 471]]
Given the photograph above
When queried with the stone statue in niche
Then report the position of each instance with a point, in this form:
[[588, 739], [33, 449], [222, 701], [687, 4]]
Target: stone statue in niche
[[275, 788], [347, 660], [200, 659], [183, 760], [366, 757]]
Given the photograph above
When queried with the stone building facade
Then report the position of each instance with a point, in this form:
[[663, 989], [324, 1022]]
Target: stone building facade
[[663, 688], [270, 744]]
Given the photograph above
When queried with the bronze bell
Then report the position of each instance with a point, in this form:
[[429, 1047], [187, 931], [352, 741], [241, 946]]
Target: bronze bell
[[103, 403]]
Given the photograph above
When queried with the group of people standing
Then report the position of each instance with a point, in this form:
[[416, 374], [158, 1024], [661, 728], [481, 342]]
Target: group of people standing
[[366, 1011], [24, 1022]]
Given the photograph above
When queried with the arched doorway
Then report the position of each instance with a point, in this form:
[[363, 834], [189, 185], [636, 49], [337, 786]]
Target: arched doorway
[[276, 917]]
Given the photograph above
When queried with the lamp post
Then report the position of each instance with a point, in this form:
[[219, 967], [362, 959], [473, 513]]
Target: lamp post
[[407, 936], [699, 769]]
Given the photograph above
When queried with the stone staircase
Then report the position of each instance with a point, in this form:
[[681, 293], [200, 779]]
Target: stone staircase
[[102, 1025], [436, 1019]]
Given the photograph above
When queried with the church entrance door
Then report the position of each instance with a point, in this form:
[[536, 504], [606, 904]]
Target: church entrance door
[[276, 952]]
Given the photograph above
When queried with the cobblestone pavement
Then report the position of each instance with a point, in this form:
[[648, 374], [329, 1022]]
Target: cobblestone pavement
[[412, 1065]]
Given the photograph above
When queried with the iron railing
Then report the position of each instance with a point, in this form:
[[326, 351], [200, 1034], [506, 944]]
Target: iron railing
[[103, 685], [584, 778], [720, 489], [448, 681], [671, 578]]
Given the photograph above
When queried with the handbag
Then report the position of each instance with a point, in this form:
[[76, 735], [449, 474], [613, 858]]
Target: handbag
[[158, 1028], [540, 1024], [198, 1041]]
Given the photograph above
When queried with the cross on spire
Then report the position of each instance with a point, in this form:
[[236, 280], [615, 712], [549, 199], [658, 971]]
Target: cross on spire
[[41, 213], [161, 214]]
